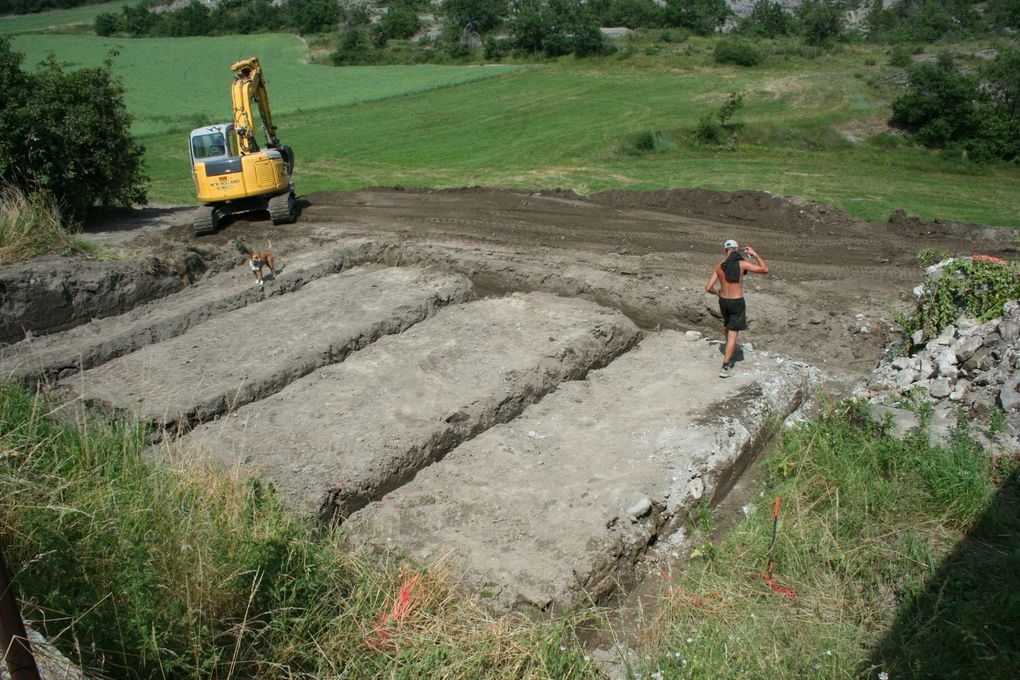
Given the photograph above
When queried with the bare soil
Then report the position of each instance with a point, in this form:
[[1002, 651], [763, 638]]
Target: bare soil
[[522, 380]]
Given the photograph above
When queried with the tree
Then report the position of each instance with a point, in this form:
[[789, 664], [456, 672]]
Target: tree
[[312, 16], [701, 16], [400, 23], [821, 21], [68, 132], [938, 105], [767, 19], [475, 15], [555, 27]]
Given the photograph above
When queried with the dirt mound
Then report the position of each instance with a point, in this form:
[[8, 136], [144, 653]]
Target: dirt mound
[[760, 208], [912, 225]]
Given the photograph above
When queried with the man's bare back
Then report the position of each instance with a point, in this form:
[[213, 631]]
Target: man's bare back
[[731, 297]]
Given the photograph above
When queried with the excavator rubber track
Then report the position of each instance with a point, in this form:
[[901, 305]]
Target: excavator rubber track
[[283, 208]]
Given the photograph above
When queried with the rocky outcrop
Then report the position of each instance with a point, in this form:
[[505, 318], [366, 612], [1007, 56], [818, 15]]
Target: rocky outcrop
[[971, 366]]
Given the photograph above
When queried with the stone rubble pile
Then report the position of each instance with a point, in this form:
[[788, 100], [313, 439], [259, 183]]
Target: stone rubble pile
[[970, 366]]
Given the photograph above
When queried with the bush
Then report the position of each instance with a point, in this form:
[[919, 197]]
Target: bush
[[312, 16], [68, 132], [923, 20], [821, 21], [708, 130], [739, 52], [475, 15], [701, 16], [354, 49], [106, 24], [938, 105], [30, 225], [767, 19], [901, 56], [400, 23], [630, 13], [555, 27]]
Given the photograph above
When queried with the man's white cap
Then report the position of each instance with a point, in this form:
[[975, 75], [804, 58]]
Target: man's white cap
[[730, 244]]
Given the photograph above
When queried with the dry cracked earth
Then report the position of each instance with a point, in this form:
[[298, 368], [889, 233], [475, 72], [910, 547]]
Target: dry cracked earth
[[523, 384]]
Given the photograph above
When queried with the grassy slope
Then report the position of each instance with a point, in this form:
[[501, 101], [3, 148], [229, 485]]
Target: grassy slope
[[56, 19], [566, 124], [179, 84]]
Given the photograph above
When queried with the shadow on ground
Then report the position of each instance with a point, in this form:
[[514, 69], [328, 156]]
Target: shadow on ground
[[965, 622]]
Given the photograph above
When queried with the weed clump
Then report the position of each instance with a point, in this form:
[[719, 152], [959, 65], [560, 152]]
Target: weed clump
[[30, 225], [974, 287]]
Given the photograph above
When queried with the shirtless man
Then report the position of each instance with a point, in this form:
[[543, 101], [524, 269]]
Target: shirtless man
[[729, 274]]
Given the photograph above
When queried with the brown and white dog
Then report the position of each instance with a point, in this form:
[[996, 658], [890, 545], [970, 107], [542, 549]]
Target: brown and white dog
[[258, 260]]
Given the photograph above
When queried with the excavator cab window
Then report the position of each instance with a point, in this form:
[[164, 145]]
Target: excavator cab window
[[210, 145]]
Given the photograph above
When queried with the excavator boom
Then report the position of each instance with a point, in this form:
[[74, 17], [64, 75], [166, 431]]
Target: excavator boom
[[250, 86]]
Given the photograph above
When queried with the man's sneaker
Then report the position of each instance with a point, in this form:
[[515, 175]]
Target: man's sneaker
[[725, 371]]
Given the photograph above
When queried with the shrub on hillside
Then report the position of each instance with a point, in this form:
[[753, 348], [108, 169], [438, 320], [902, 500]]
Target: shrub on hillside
[[901, 56], [629, 13], [475, 15], [922, 20], [1005, 13], [354, 48], [821, 21], [768, 19], [555, 28], [68, 132], [945, 108], [736, 51], [312, 16], [400, 23], [700, 16], [938, 105]]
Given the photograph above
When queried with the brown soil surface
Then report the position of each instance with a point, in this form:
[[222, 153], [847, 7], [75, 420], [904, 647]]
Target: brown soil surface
[[828, 299]]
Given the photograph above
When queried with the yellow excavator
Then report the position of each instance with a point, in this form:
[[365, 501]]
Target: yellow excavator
[[232, 173]]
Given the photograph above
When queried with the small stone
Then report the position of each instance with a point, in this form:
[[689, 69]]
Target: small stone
[[1009, 397], [905, 378], [979, 361], [696, 488], [967, 347], [693, 335], [640, 509], [960, 391], [940, 388], [901, 362], [917, 338]]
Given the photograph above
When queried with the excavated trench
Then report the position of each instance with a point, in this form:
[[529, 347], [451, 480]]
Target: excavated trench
[[451, 378], [541, 442]]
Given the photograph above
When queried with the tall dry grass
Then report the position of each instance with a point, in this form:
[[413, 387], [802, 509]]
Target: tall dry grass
[[30, 225]]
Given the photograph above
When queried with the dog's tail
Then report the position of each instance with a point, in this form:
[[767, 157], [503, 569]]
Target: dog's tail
[[270, 244]]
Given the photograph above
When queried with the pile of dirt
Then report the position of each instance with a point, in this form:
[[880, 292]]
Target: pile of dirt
[[761, 208]]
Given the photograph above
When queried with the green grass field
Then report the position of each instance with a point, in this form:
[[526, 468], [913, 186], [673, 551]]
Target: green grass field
[[57, 19], [568, 124]]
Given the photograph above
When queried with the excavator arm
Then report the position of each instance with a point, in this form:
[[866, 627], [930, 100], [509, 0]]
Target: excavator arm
[[250, 86]]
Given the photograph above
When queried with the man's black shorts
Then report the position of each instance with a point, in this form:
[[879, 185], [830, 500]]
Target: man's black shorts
[[733, 313]]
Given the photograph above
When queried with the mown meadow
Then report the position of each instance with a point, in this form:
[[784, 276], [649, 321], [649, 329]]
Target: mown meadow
[[813, 123]]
